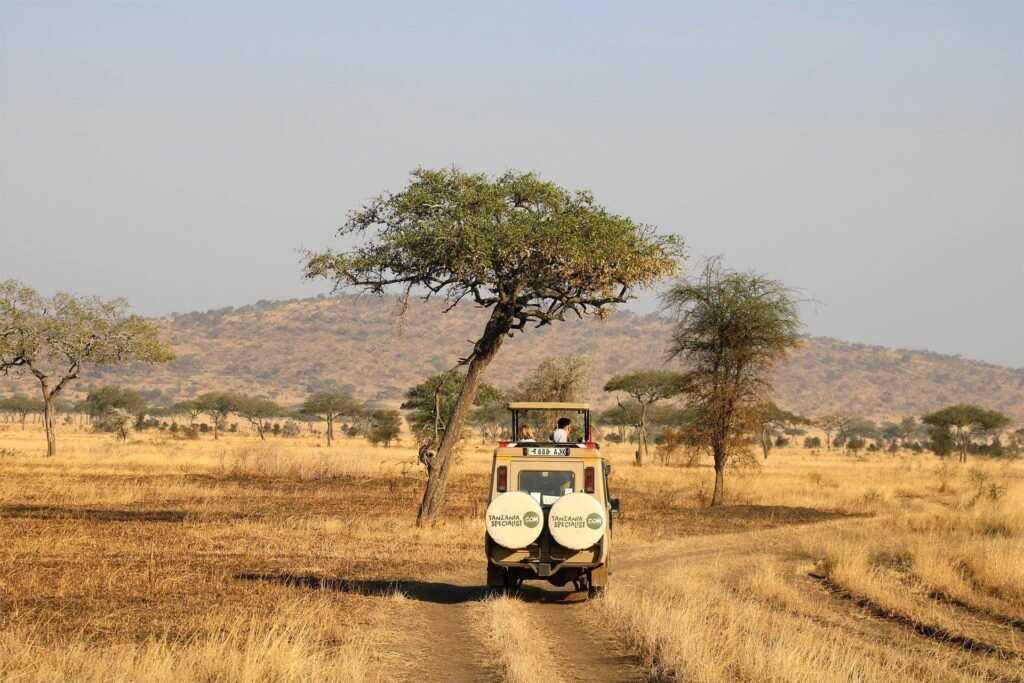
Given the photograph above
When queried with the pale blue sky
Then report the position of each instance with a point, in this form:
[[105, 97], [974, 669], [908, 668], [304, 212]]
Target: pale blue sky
[[871, 154]]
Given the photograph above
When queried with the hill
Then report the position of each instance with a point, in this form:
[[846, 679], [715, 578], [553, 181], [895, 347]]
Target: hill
[[288, 349]]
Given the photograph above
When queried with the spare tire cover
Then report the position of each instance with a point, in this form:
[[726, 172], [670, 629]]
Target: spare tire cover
[[514, 520], [577, 521]]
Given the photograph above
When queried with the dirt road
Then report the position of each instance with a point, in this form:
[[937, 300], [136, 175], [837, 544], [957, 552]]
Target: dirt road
[[437, 642], [435, 639]]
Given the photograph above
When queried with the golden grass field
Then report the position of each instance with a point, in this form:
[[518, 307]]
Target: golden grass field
[[174, 560]]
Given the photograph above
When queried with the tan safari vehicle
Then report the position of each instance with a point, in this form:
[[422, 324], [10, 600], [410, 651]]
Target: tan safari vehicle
[[550, 513]]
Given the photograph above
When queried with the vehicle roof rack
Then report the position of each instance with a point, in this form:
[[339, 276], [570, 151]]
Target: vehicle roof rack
[[541, 405]]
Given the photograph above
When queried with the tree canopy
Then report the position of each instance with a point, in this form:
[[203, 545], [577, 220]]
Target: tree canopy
[[514, 241], [258, 411], [53, 338], [526, 249], [111, 396], [557, 378]]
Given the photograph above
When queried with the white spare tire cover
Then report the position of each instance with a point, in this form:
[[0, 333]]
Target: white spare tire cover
[[514, 520], [577, 521]]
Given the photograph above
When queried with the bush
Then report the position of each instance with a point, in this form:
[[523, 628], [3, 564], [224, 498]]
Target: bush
[[812, 442], [116, 421], [385, 426], [291, 429]]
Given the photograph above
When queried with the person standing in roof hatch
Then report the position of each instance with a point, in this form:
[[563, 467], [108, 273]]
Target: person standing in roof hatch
[[561, 433]]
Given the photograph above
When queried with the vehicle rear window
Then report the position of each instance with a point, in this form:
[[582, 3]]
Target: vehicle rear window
[[547, 486]]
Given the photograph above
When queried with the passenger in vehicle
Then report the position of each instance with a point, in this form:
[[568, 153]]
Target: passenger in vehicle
[[526, 434], [561, 433]]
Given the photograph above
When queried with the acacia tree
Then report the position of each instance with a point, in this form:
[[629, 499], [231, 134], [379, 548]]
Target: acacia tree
[[840, 424], [771, 420], [187, 408], [259, 412], [526, 250], [53, 338], [329, 406], [965, 422], [646, 387], [731, 330], [218, 405]]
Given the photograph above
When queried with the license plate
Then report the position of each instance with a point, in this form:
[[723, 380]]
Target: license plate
[[541, 450]]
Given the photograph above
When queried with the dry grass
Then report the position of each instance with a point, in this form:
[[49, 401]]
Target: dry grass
[[164, 559], [300, 641], [520, 652]]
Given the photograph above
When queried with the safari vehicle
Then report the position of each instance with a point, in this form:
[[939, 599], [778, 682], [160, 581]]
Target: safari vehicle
[[550, 514]]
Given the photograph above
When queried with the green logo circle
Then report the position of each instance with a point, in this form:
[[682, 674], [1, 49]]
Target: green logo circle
[[595, 521], [531, 519]]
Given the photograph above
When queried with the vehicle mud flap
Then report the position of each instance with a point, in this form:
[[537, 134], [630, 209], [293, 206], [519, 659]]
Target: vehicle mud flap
[[599, 576], [495, 576]]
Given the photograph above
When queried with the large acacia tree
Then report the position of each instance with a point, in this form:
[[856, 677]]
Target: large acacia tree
[[54, 338], [646, 387], [731, 330], [526, 250]]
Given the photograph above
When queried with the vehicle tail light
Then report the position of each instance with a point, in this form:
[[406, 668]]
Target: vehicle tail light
[[503, 444], [588, 479], [503, 479], [590, 444]]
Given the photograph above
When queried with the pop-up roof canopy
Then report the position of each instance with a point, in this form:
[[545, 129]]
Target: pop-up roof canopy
[[540, 405]]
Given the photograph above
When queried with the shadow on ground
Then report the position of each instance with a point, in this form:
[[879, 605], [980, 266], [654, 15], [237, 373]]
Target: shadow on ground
[[441, 593], [98, 515], [668, 520]]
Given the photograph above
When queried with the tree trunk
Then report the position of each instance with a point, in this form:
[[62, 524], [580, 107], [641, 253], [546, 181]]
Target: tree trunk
[[259, 428], [330, 430], [718, 497], [641, 447], [484, 352], [49, 415]]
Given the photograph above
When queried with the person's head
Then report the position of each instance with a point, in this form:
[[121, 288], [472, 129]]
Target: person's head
[[526, 432], [564, 423]]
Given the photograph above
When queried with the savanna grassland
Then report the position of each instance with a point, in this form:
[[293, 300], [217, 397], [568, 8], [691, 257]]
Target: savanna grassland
[[165, 560]]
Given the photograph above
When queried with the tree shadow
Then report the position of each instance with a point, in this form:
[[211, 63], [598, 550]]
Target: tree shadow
[[99, 515]]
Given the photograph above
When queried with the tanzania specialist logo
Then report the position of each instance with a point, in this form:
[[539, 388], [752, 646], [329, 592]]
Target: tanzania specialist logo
[[594, 520], [531, 519]]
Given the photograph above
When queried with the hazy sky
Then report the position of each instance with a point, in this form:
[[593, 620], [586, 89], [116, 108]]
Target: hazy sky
[[871, 154]]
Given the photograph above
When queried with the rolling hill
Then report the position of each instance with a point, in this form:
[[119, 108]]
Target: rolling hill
[[288, 349]]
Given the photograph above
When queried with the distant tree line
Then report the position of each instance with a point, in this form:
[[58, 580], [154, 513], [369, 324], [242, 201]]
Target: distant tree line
[[122, 410]]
